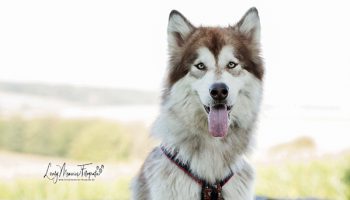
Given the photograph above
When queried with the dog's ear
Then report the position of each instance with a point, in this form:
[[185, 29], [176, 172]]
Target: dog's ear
[[179, 29], [249, 25]]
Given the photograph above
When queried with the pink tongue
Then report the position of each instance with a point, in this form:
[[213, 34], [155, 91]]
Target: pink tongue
[[218, 120]]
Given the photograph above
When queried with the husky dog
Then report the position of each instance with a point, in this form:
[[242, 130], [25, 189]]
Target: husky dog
[[208, 113]]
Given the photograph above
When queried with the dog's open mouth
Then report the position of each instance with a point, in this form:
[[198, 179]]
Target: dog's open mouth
[[218, 119], [207, 108]]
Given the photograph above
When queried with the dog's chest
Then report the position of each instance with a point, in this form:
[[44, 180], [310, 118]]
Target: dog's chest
[[170, 182]]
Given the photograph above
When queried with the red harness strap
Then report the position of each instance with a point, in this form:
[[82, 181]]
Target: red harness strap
[[209, 191]]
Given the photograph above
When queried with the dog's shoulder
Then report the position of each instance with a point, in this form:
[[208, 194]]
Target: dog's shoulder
[[141, 184]]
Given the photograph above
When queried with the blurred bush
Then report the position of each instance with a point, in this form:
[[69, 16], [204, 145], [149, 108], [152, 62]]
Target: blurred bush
[[346, 180], [102, 141], [296, 146], [95, 140]]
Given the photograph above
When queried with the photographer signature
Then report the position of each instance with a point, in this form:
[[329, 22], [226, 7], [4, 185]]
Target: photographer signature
[[82, 172]]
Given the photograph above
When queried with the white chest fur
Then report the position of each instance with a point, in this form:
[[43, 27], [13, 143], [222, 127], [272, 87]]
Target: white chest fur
[[167, 181]]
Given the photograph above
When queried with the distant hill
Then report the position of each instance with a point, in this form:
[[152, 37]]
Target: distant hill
[[82, 95]]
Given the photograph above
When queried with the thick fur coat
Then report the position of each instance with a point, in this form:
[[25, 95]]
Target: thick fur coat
[[200, 57]]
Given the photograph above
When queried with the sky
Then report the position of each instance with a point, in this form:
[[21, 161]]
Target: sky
[[123, 44]]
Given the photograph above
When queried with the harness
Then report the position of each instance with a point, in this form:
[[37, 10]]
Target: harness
[[209, 191]]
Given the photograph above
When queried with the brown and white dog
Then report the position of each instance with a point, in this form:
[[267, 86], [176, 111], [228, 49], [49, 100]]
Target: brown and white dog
[[208, 113]]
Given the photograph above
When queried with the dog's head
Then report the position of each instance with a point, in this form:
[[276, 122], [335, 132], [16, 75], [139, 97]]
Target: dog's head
[[221, 66]]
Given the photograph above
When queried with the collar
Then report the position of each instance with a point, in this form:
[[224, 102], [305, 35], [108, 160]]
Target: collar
[[209, 191]]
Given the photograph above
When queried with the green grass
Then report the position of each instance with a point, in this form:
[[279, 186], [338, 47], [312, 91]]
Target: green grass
[[34, 189], [326, 178]]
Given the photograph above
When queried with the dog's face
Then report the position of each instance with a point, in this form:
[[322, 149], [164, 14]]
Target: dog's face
[[219, 64]]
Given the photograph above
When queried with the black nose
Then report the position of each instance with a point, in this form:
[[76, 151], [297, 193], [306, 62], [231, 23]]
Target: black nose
[[218, 91]]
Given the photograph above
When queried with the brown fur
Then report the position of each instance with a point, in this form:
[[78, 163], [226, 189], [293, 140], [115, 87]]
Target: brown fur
[[214, 39]]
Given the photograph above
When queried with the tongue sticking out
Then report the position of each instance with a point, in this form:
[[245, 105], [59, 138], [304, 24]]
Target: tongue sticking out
[[218, 120]]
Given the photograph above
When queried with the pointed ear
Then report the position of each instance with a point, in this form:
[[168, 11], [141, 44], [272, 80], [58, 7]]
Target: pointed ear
[[249, 25], [178, 30]]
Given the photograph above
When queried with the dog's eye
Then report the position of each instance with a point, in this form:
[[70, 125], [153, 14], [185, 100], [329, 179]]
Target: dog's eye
[[231, 65], [200, 66]]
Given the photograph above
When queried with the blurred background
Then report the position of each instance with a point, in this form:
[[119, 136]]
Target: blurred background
[[80, 82]]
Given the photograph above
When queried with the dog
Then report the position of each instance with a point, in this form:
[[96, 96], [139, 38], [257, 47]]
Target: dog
[[209, 109]]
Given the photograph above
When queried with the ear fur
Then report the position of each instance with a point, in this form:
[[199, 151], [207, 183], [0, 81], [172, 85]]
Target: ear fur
[[179, 29], [249, 24]]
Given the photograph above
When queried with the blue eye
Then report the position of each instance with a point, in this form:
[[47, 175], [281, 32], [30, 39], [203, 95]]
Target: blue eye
[[200, 66], [231, 65]]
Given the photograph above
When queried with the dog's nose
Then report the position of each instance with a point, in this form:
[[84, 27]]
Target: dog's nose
[[218, 91]]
